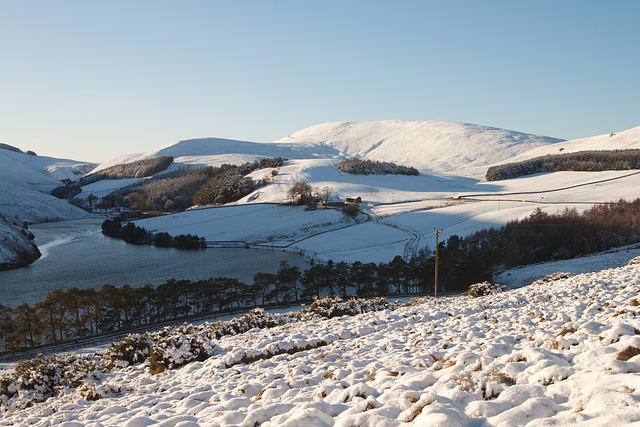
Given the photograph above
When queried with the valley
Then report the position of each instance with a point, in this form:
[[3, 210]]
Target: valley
[[550, 350]]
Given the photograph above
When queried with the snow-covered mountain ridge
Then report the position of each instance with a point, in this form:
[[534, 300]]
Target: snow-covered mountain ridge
[[216, 151], [560, 352], [435, 146]]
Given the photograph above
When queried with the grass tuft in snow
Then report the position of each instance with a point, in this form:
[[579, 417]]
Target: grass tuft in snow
[[628, 353]]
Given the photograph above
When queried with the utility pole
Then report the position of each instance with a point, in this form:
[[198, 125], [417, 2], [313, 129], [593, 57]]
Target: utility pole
[[437, 232]]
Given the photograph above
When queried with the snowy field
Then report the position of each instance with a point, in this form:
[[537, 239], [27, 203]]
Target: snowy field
[[402, 211], [566, 352], [265, 224]]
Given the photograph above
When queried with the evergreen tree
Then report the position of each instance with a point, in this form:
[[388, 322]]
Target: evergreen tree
[[6, 324], [26, 328]]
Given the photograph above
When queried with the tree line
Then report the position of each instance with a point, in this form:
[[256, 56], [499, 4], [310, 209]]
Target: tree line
[[589, 161], [374, 167], [545, 237], [136, 235], [77, 313]]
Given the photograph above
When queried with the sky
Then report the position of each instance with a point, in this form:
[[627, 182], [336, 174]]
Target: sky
[[91, 80]]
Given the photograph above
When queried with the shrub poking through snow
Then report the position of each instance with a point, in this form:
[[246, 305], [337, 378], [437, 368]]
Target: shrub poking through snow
[[135, 348], [35, 380], [417, 301], [329, 307], [628, 353], [179, 346], [94, 392], [485, 288], [634, 261], [552, 278]]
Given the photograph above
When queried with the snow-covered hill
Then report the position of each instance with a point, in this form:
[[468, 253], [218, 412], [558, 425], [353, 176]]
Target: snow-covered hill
[[403, 209], [25, 183], [216, 151], [39, 172], [449, 193], [436, 146], [562, 352], [623, 140]]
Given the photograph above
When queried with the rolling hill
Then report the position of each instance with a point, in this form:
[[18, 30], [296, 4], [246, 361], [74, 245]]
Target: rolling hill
[[435, 146], [450, 192], [623, 140], [430, 146], [25, 183]]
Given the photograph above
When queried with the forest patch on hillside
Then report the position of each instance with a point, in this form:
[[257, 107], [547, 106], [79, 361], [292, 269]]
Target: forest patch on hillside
[[374, 167], [581, 161], [188, 186]]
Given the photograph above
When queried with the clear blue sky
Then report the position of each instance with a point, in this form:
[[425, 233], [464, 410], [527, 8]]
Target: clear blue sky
[[91, 80]]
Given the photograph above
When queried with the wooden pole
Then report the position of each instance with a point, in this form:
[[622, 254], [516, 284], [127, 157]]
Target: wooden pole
[[437, 232]]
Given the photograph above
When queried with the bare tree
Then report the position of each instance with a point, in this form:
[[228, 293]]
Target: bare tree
[[324, 193], [300, 192]]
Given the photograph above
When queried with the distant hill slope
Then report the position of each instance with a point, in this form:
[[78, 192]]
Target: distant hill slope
[[39, 172], [25, 183], [436, 146], [623, 140], [216, 151]]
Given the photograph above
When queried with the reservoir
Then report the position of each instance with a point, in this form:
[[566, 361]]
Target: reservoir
[[77, 254]]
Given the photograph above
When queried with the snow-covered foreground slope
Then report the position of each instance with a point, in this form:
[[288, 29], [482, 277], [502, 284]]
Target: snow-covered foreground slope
[[564, 352]]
